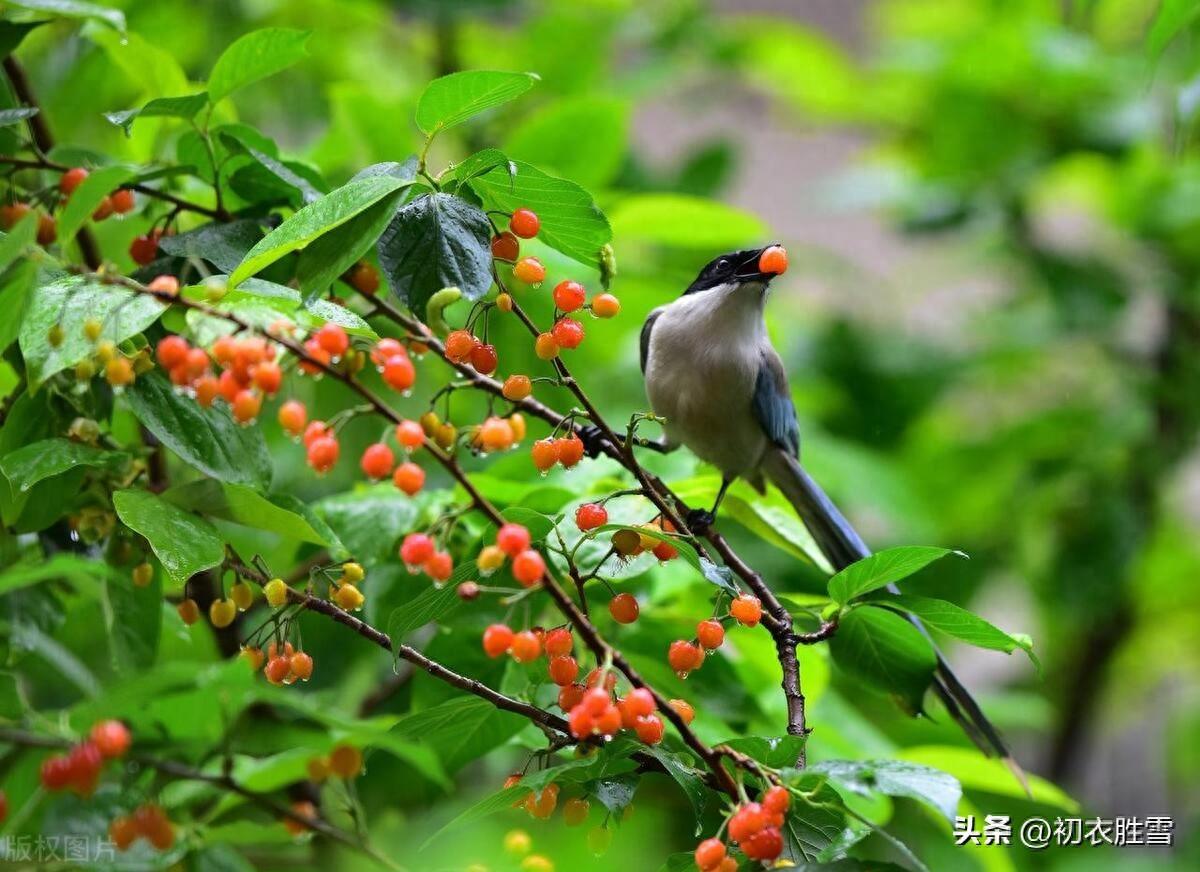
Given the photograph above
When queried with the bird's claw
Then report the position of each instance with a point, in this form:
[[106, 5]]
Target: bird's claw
[[593, 440], [699, 520]]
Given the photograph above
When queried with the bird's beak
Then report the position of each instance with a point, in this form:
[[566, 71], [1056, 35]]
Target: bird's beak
[[748, 270]]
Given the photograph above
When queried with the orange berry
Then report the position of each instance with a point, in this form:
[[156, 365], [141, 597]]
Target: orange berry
[[292, 417], [517, 387], [439, 567], [710, 633], [345, 761], [164, 284], [684, 657], [364, 278], [709, 855], [246, 406], [684, 709], [624, 608], [545, 453], [47, 230], [278, 669], [558, 642], [512, 539], [649, 729], [301, 665], [530, 271], [773, 260], [459, 345], [377, 461], [570, 450], [605, 306], [575, 811], [333, 339], [171, 351], [12, 213], [568, 333], [525, 647], [268, 377], [484, 359], [496, 434], [119, 372], [409, 477], [104, 210], [746, 609], [410, 435], [563, 670], [72, 179], [570, 696], [545, 346], [123, 201], [497, 639], [528, 567], [189, 611], [206, 388], [323, 453], [569, 295], [111, 737], [399, 372]]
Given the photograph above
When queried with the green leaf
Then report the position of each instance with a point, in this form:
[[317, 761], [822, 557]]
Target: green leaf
[[370, 520], [331, 255], [953, 620], [975, 772], [315, 219], [255, 56], [29, 464], [453, 99], [461, 729], [437, 241], [133, 616], [539, 525], [1173, 17], [435, 603], [70, 302], [896, 778], [224, 245], [207, 439], [9, 117], [184, 107], [570, 220], [688, 777], [261, 303], [550, 139], [482, 161], [84, 199], [683, 221], [242, 505], [13, 33], [114, 18], [184, 543], [238, 144], [885, 650], [489, 805], [81, 572], [883, 568], [775, 752], [16, 242]]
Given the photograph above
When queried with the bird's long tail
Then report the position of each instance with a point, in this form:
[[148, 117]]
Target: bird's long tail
[[842, 545]]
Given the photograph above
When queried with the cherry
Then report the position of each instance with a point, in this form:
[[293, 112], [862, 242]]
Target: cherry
[[542, 806], [377, 461], [568, 333], [459, 345], [254, 657], [497, 639], [123, 201], [112, 738], [776, 800], [72, 179], [605, 306], [773, 260], [558, 642], [766, 844], [409, 477], [589, 516], [517, 421], [276, 592], [119, 372], [512, 539], [292, 416], [323, 453], [385, 349], [410, 435], [545, 346], [304, 808], [349, 598], [517, 388], [490, 559], [399, 372], [364, 278], [570, 450], [570, 696], [484, 359], [152, 822], [196, 362], [123, 832], [301, 665], [495, 434], [569, 295], [56, 772], [649, 729], [599, 677], [640, 702], [709, 855], [525, 647], [278, 669], [12, 213], [524, 223], [684, 709], [665, 551], [439, 567], [624, 608], [268, 377], [746, 821], [684, 657], [353, 572], [314, 431], [246, 406], [575, 811], [506, 246], [468, 591], [164, 284], [47, 229], [528, 567], [563, 670], [171, 351], [221, 612], [333, 339], [345, 761], [710, 633], [530, 271], [545, 454], [416, 549], [144, 249], [746, 609], [85, 761], [189, 611], [596, 701], [104, 210]]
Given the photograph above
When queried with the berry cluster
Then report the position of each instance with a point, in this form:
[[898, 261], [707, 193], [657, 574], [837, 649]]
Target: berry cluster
[[754, 827], [79, 769], [119, 202], [148, 822], [420, 553], [566, 450], [282, 665], [687, 656]]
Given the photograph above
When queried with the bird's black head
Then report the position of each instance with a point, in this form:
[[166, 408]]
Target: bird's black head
[[737, 267]]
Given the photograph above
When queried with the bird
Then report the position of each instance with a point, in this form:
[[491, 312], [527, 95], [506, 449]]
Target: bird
[[721, 390]]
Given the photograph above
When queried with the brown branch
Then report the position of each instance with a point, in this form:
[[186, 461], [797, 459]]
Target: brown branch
[[39, 128]]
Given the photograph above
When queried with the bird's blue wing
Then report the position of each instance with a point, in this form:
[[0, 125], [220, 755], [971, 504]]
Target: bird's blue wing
[[773, 405]]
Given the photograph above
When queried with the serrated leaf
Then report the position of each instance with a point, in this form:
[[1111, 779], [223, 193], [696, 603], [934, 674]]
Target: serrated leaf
[[70, 302], [315, 219], [224, 245], [883, 568], [973, 771], [953, 620], [29, 464], [87, 197], [114, 18], [261, 304], [255, 56], [184, 107], [570, 220], [481, 162], [885, 650], [437, 241], [184, 543], [453, 99], [328, 257], [207, 439], [775, 752], [242, 505], [370, 520], [896, 778]]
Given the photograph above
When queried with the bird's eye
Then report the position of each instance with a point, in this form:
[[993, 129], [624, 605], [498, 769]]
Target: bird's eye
[[723, 263]]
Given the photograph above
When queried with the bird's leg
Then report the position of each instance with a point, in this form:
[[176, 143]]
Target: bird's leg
[[699, 520]]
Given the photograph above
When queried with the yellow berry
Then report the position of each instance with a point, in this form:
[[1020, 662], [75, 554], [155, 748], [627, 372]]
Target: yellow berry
[[353, 572], [242, 596], [92, 329], [345, 761], [189, 612], [517, 842], [222, 612], [276, 591], [349, 598], [318, 769], [55, 335], [143, 574], [490, 559]]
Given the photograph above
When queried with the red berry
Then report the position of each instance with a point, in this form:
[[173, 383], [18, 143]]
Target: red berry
[[684, 657], [570, 696], [56, 772], [524, 223], [399, 372], [47, 229], [528, 567], [766, 844], [459, 345], [624, 608], [410, 435], [589, 516], [171, 351], [776, 800], [512, 539], [12, 213], [599, 677], [292, 416], [111, 737], [525, 647], [416, 549], [580, 721], [746, 609], [640, 702], [85, 761], [497, 639], [709, 854], [409, 477], [710, 633], [746, 821], [333, 338], [484, 359], [568, 333], [563, 670], [123, 201], [385, 348], [596, 701], [143, 249], [506, 246], [439, 567], [377, 461], [569, 296], [323, 453], [773, 260], [665, 551], [104, 210], [314, 431], [72, 179], [364, 278], [649, 729], [558, 642], [570, 450]]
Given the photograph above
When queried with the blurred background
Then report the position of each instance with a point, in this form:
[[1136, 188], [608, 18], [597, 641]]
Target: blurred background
[[991, 320]]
